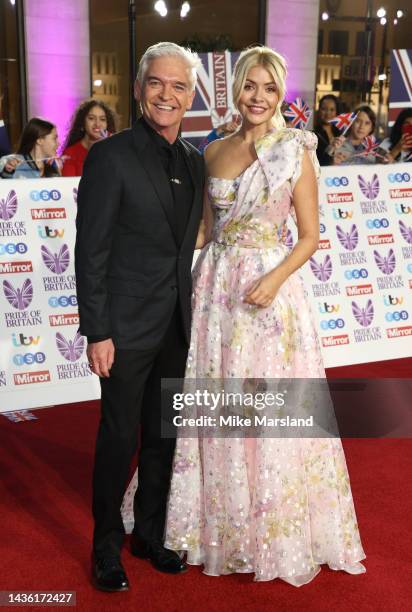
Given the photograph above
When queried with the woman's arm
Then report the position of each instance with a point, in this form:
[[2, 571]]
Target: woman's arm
[[206, 225], [305, 202]]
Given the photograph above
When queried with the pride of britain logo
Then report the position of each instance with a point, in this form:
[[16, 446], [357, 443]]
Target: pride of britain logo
[[8, 206], [71, 350], [370, 189], [56, 262], [19, 297]]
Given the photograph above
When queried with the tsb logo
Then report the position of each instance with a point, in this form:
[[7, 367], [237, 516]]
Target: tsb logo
[[342, 214], [399, 177], [45, 195], [397, 315], [11, 248], [377, 223], [328, 308], [29, 359], [336, 181], [357, 273], [62, 301], [332, 324], [322, 228]]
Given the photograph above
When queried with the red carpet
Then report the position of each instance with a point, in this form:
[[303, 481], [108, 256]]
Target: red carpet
[[46, 525]]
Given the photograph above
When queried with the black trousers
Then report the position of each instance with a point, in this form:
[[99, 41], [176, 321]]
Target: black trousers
[[131, 397]]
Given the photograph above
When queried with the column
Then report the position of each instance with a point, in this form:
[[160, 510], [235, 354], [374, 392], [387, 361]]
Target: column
[[292, 30], [58, 58]]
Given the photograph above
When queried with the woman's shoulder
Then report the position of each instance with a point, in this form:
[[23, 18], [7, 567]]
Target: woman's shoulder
[[287, 138], [77, 147]]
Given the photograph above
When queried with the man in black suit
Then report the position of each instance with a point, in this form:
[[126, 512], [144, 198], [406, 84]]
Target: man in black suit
[[139, 209]]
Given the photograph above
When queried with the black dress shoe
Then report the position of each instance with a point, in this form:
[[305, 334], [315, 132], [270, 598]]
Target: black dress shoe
[[161, 558], [109, 575]]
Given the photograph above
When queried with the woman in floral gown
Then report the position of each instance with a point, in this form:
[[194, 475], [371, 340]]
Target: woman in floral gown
[[275, 507]]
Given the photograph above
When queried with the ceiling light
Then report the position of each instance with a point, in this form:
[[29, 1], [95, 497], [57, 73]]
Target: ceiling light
[[325, 16], [381, 12]]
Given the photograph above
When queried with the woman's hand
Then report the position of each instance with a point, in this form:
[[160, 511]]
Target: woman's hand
[[406, 142], [263, 292], [11, 164], [338, 142]]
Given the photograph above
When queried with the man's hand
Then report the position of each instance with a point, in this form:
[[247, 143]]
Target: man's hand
[[101, 357]]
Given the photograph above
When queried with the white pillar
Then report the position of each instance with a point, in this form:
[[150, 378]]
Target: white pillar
[[292, 30], [58, 58]]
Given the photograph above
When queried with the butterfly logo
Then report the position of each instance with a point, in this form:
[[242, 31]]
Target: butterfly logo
[[71, 350], [406, 232], [364, 316], [19, 298], [288, 240], [8, 206], [348, 240], [370, 189], [385, 264], [56, 262], [322, 271]]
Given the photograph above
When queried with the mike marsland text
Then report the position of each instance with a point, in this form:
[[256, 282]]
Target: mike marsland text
[[237, 421]]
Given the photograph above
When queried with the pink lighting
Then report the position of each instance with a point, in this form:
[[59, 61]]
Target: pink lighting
[[58, 52]]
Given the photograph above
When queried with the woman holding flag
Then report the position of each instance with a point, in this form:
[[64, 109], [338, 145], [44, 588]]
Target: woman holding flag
[[356, 144]]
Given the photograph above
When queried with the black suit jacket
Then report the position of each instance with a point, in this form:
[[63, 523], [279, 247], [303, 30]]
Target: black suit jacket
[[130, 269]]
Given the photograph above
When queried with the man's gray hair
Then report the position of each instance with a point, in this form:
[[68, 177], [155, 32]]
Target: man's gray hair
[[170, 49]]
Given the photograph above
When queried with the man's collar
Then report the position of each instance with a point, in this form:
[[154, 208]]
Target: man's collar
[[158, 137]]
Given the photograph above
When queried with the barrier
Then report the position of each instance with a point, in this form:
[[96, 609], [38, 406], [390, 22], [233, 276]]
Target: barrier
[[359, 281]]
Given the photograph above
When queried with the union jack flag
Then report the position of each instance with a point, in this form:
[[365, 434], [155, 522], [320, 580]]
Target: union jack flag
[[20, 415], [343, 121], [298, 112], [400, 96], [369, 144], [213, 102]]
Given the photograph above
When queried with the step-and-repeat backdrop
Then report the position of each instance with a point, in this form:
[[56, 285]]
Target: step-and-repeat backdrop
[[359, 280]]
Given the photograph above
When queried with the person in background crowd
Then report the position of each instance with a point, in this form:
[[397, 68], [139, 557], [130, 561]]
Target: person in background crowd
[[36, 153], [92, 121], [399, 142], [4, 139], [220, 132], [325, 131], [348, 148]]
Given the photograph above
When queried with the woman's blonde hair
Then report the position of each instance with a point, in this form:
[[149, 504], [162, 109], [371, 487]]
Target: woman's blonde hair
[[271, 61]]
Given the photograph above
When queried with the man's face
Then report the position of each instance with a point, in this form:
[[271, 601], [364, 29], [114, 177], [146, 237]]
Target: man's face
[[165, 94]]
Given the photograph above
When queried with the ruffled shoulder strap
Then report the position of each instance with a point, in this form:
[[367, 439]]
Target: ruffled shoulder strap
[[280, 153]]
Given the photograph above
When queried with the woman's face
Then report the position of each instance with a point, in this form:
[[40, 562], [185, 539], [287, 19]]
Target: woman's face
[[361, 127], [327, 110], [49, 144], [95, 123], [259, 98]]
